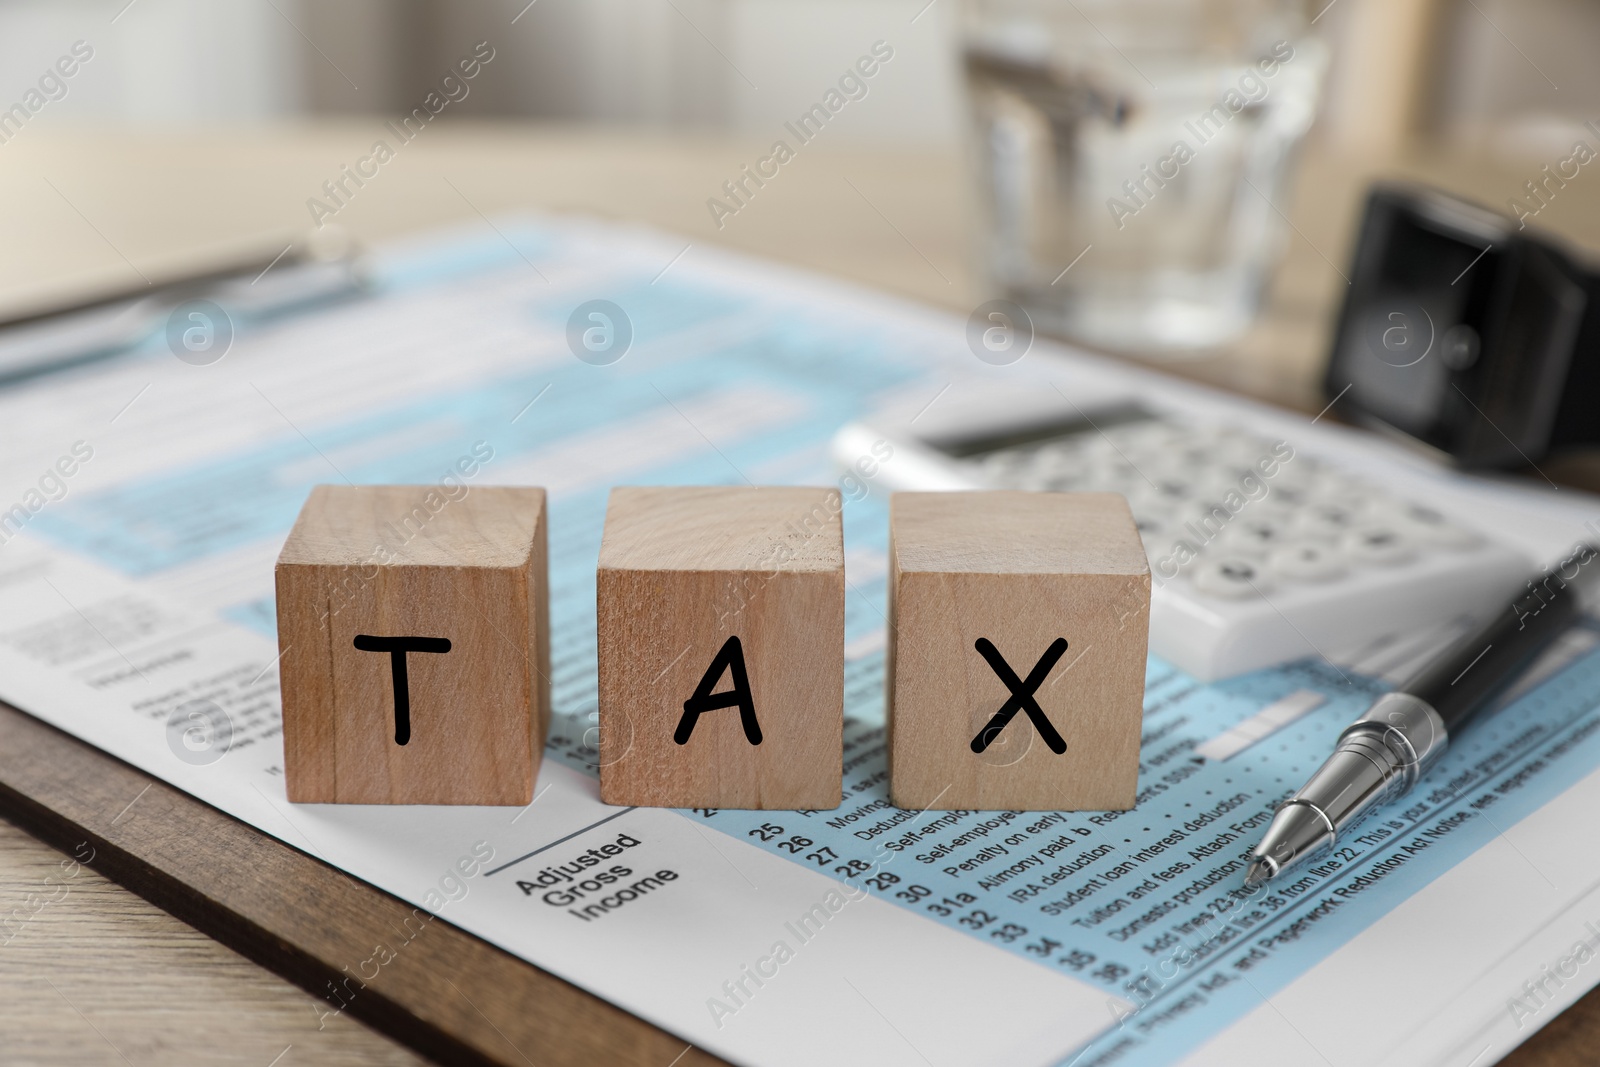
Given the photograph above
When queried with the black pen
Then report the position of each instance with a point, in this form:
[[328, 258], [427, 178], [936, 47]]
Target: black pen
[[1404, 733]]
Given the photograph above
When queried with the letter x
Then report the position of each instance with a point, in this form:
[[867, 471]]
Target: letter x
[[397, 647], [1021, 698]]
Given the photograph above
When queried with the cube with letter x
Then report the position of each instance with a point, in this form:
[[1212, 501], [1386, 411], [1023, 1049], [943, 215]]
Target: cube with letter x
[[720, 616], [414, 645], [1018, 623]]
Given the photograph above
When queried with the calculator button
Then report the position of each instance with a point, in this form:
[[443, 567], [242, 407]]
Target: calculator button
[[1173, 489], [1194, 457], [1182, 552], [1241, 451], [1212, 489], [1114, 470], [1297, 471], [1235, 473], [1155, 526], [1334, 483], [1255, 535], [1383, 544], [1343, 507], [1287, 496], [1231, 576], [1306, 561], [1431, 527], [1326, 521], [1338, 505], [1363, 501]]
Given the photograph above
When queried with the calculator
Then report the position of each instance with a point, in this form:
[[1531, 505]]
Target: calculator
[[1260, 553]]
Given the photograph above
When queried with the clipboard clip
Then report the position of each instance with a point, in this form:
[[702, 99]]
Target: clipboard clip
[[310, 271]]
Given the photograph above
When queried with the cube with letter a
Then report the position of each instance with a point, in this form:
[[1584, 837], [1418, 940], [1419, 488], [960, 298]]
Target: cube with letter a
[[414, 638], [720, 616], [1017, 636]]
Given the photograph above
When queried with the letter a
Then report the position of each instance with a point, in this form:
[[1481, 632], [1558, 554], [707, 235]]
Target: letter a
[[729, 658]]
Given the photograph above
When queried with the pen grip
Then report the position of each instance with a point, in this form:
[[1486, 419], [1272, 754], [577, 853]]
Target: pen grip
[[1481, 664]]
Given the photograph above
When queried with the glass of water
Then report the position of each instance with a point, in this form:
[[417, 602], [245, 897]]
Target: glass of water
[[1132, 155]]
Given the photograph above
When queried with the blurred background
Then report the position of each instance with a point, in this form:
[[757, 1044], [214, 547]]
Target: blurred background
[[1505, 75], [209, 123], [661, 64], [1502, 74]]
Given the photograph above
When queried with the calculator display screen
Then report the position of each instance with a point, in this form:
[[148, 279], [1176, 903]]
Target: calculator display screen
[[995, 439]]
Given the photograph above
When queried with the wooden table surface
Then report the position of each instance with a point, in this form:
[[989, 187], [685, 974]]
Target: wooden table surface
[[98, 975]]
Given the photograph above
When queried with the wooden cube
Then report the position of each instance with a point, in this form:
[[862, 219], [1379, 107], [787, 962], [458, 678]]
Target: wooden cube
[[720, 613], [1018, 623], [414, 639]]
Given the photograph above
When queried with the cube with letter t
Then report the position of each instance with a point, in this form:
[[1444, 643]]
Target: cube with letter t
[[414, 638], [720, 614], [1018, 623]]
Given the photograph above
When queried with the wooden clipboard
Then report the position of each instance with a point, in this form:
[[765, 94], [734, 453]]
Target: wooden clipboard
[[444, 992]]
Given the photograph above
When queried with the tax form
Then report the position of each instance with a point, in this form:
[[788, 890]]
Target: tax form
[[136, 587]]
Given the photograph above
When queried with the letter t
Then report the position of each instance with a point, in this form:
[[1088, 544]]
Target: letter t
[[397, 647]]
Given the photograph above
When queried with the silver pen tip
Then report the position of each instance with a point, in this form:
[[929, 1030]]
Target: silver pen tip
[[1297, 832]]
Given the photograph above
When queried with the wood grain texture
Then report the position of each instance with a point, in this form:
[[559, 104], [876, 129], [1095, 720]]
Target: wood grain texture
[[93, 974], [465, 565], [1022, 572], [683, 570], [445, 993]]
